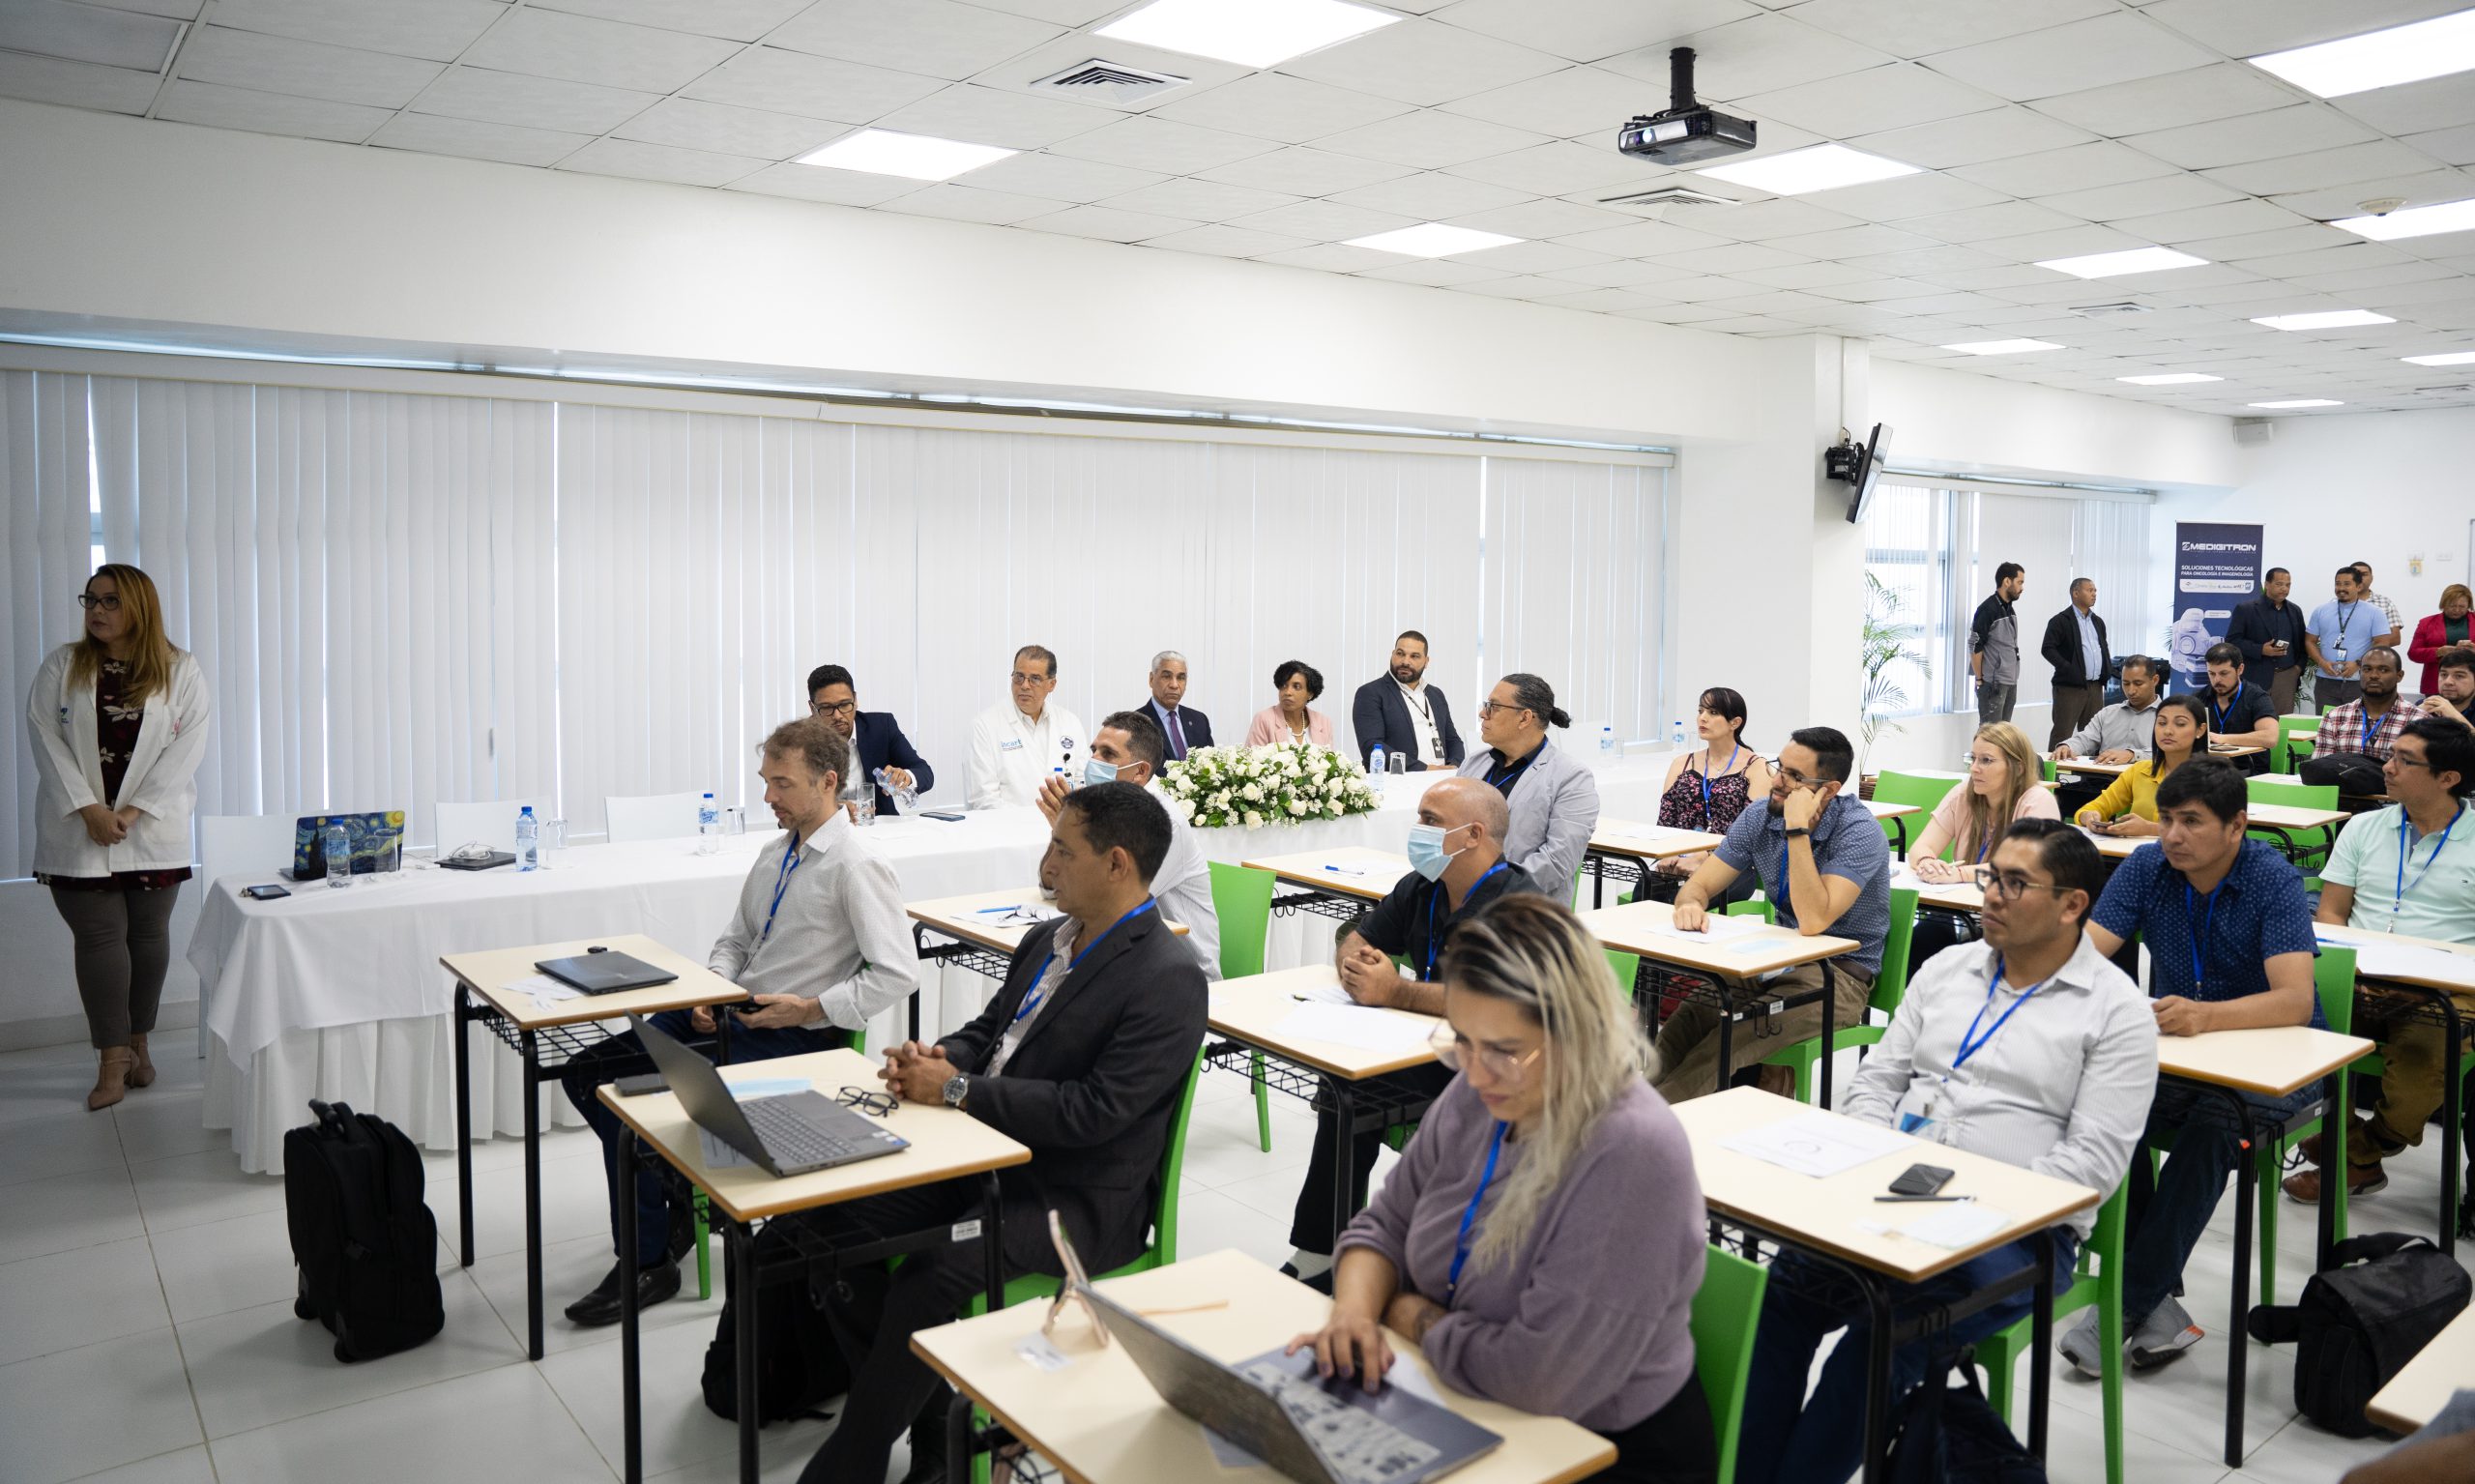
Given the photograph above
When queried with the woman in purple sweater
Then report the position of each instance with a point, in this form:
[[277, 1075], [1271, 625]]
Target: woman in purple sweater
[[1542, 1237]]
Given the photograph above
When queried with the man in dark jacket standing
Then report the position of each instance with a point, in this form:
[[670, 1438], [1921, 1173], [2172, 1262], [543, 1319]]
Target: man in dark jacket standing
[[2075, 645], [2269, 631]]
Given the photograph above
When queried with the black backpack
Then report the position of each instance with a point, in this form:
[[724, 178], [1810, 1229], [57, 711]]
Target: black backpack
[[2360, 1320], [363, 1237], [797, 1363], [1950, 1435], [2354, 772]]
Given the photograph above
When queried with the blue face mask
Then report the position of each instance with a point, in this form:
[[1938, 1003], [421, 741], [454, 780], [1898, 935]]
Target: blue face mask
[[1427, 854], [1096, 772]]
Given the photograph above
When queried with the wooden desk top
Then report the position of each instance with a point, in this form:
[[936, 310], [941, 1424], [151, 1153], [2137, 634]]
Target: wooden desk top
[[1252, 1009], [967, 918], [2287, 816], [1101, 1423], [2424, 1386], [1881, 811], [1649, 842], [1632, 929], [1832, 1214], [490, 972], [2356, 937], [2269, 1059], [1363, 873], [944, 1143]]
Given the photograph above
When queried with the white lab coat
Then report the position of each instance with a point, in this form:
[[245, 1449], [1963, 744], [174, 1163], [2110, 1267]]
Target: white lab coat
[[1012, 755], [162, 781]]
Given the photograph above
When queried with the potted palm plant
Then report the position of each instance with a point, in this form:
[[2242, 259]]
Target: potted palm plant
[[1885, 640]]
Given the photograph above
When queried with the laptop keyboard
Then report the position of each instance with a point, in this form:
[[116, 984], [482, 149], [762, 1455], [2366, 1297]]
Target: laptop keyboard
[[1359, 1447], [793, 1140]]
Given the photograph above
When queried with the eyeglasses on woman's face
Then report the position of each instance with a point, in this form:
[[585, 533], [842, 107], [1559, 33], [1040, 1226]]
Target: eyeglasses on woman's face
[[1454, 1052], [109, 602]]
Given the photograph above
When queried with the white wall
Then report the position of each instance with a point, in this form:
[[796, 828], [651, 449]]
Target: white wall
[[1958, 423]]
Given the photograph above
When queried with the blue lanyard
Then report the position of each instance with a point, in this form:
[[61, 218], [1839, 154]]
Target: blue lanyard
[[1034, 1001], [2371, 728], [2200, 939], [1435, 931], [1502, 778], [790, 867], [2216, 712], [2398, 903], [1469, 1214], [1705, 777], [1971, 1043]]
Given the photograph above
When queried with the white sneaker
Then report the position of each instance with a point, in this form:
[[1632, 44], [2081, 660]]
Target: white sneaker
[[2162, 1336], [2082, 1347]]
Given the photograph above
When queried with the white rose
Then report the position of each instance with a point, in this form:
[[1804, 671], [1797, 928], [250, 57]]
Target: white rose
[[1254, 793], [1297, 806], [1186, 809], [1253, 820]]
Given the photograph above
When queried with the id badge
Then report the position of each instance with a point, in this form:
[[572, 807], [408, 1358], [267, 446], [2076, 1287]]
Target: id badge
[[1920, 1108]]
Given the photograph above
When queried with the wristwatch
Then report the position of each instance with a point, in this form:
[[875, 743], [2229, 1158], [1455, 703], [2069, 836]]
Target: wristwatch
[[957, 1087], [1795, 835]]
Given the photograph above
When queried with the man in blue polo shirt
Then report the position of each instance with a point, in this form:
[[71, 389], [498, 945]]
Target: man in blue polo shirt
[[2230, 947], [1826, 868]]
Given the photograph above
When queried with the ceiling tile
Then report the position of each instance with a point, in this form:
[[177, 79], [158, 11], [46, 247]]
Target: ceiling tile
[[2258, 244], [1936, 263], [282, 64], [1757, 54], [1914, 28], [1146, 143], [434, 135], [579, 49], [2415, 108], [1559, 168], [1852, 242], [2322, 260], [1423, 62], [1329, 257], [1024, 72], [86, 33], [1603, 300], [1579, 101], [2248, 28], [1303, 172], [810, 86], [1760, 220], [1803, 275], [437, 29], [1324, 221], [1522, 286], [1870, 102], [1229, 242], [1643, 239], [1612, 272], [2139, 198], [813, 183], [1197, 200], [970, 203], [1273, 106], [686, 123], [2450, 146], [1436, 274], [76, 84], [2227, 219], [2322, 168], [2092, 53], [1059, 179], [1908, 195], [2388, 276], [936, 37], [2220, 90], [738, 21], [2077, 168], [1531, 257], [1873, 290], [1982, 223], [1540, 219], [1428, 141], [1434, 196], [978, 115], [1997, 133], [530, 103], [177, 10], [2345, 200], [266, 113], [1734, 257], [1997, 276], [2281, 131], [660, 163], [1586, 30], [1104, 222], [2063, 241]]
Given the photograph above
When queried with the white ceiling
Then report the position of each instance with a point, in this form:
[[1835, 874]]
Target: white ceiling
[[2047, 129]]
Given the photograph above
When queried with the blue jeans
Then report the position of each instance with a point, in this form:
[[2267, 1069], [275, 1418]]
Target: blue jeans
[[623, 1054], [2169, 1210], [1823, 1441]]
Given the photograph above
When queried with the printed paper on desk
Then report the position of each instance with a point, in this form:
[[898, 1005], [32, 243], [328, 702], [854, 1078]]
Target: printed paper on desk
[[1816, 1143], [545, 990], [1959, 1224], [1326, 994], [1352, 1025], [2377, 954]]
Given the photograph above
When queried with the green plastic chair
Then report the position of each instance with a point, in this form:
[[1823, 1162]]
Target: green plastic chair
[[1627, 968], [2283, 757], [705, 1211], [2295, 796], [1913, 789], [1241, 899], [2049, 771], [2097, 1279], [2333, 977], [1756, 907], [1890, 986], [1727, 1311]]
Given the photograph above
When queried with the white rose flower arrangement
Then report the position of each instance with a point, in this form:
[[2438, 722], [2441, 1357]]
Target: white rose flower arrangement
[[1288, 783]]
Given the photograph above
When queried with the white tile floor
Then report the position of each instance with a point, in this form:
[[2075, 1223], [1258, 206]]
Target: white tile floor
[[147, 1335]]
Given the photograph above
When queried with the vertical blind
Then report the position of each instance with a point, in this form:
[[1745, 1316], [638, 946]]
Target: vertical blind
[[401, 600]]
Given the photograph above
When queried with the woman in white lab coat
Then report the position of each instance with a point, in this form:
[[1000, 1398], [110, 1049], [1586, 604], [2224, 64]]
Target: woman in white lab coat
[[118, 724]]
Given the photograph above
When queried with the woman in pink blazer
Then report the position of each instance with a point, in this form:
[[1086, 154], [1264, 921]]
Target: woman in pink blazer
[[2438, 631], [1289, 720]]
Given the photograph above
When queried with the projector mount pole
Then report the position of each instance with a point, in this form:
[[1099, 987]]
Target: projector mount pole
[[1681, 81]]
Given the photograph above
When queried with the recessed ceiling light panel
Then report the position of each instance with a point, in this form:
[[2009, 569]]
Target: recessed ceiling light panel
[[1251, 33], [2451, 358], [2002, 347], [2170, 379], [2305, 401], [914, 157], [2413, 222], [2113, 265], [2378, 59], [2326, 319], [1815, 167], [1432, 239]]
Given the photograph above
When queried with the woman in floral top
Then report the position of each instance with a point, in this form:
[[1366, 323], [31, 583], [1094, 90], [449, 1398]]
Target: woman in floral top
[[119, 722]]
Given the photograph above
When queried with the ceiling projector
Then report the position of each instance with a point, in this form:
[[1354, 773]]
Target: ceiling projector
[[1686, 134]]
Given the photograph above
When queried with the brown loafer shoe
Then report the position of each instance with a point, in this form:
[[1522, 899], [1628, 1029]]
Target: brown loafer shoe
[[2303, 1187]]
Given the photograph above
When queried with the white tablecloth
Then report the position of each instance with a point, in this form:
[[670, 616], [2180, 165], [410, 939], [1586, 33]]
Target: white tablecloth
[[338, 995]]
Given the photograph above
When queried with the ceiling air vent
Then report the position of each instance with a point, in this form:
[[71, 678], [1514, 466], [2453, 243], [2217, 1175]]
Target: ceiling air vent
[[2108, 311], [1665, 196], [1099, 82]]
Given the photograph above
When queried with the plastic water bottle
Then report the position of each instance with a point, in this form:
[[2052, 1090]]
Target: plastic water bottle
[[528, 841], [905, 797], [709, 826], [1679, 737], [339, 856], [1607, 741], [1375, 762]]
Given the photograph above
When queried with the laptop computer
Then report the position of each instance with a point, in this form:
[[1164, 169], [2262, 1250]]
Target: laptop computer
[[376, 837], [792, 1133], [602, 971], [1274, 1406]]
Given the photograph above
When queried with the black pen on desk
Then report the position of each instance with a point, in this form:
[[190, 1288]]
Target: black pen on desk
[[1923, 1198]]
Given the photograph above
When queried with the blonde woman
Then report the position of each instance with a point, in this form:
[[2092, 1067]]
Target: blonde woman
[[119, 723], [2004, 783], [1493, 1244], [2129, 804]]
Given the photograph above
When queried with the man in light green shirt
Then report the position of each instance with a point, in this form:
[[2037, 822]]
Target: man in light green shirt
[[2408, 869]]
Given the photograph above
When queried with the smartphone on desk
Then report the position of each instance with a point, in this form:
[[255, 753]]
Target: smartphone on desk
[[264, 894], [639, 1084], [1920, 1181]]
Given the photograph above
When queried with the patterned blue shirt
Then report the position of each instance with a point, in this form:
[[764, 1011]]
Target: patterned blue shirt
[[2257, 912], [1846, 843]]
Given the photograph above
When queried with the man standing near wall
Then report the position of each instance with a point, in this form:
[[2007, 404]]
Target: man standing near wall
[[2075, 646], [2269, 631], [1994, 646]]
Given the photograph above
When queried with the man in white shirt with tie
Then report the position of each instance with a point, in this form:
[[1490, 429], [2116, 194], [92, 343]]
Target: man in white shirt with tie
[[1020, 743]]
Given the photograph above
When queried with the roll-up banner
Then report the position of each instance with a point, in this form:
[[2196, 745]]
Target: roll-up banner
[[2216, 567]]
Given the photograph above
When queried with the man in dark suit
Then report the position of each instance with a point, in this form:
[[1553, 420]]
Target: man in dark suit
[[2269, 631], [1185, 728], [1408, 716], [876, 738], [1083, 1056], [2077, 648]]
